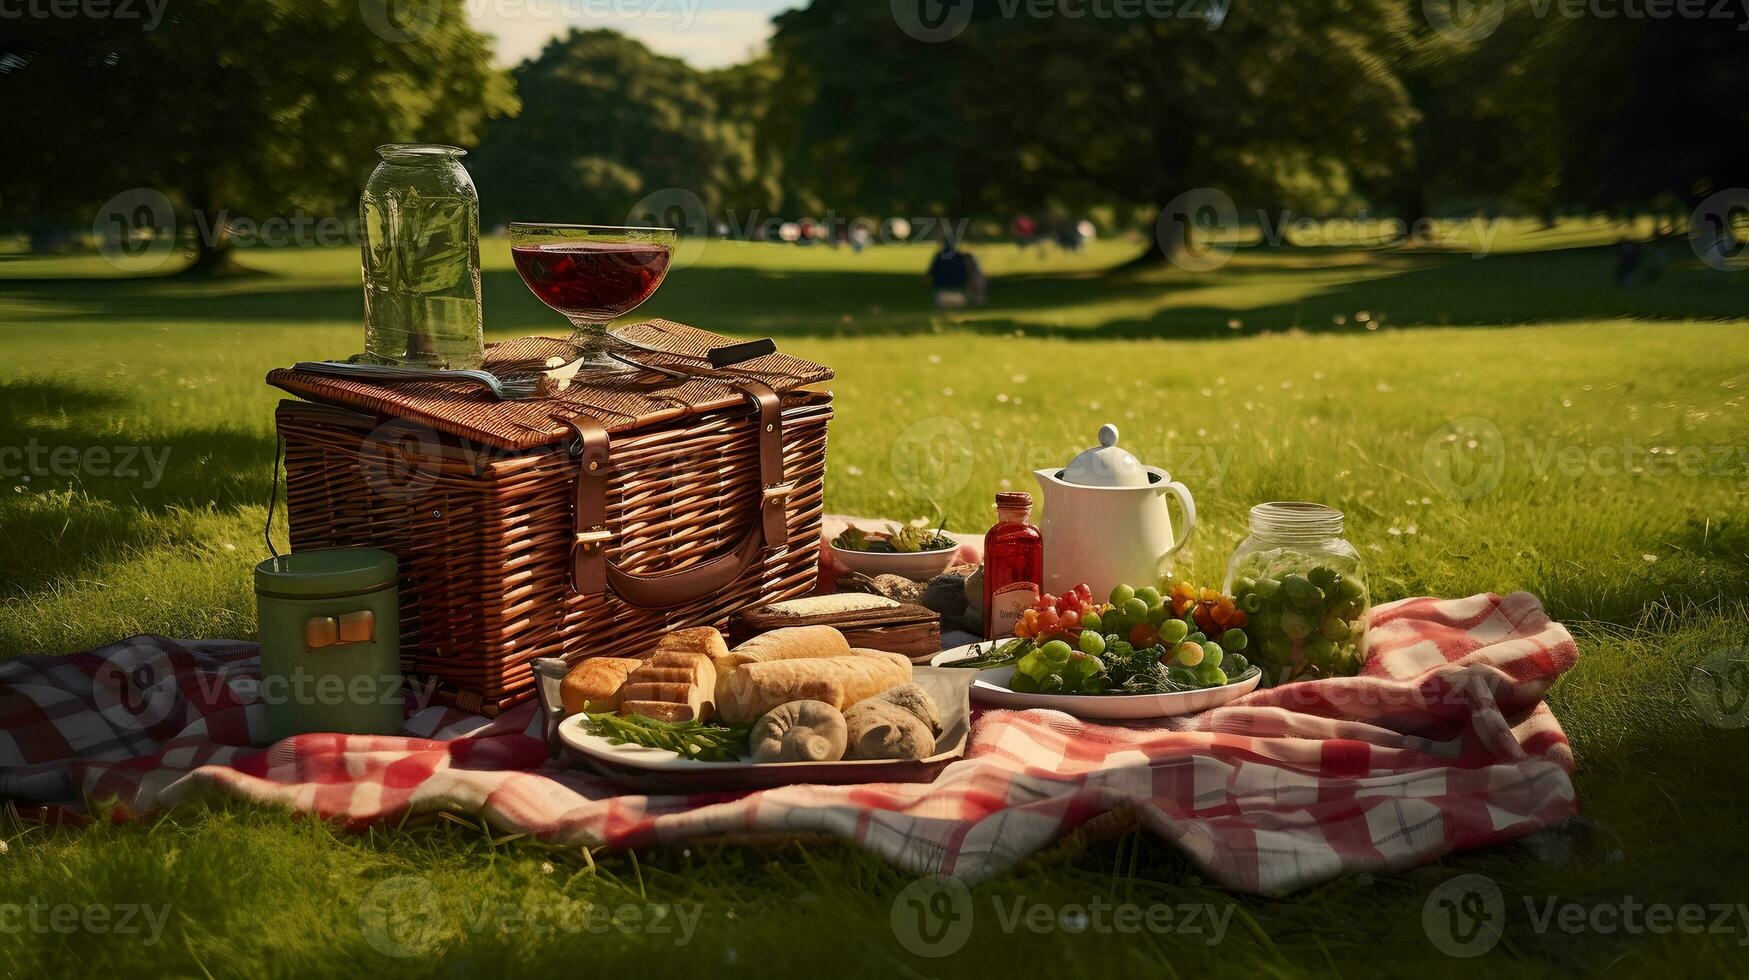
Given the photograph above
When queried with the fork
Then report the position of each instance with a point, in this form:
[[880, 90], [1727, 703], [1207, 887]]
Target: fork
[[508, 387]]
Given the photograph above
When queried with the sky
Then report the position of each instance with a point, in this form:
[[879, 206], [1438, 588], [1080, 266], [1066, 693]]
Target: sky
[[705, 33]]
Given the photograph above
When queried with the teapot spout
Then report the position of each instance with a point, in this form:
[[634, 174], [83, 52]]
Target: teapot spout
[[1048, 480]]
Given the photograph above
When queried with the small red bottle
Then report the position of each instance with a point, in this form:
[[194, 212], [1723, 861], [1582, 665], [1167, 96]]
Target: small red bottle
[[1013, 564]]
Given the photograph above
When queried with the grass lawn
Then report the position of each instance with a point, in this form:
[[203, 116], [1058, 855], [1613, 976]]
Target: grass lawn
[[1345, 375]]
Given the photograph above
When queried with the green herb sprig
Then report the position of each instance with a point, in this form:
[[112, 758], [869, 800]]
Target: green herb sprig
[[704, 741], [997, 654]]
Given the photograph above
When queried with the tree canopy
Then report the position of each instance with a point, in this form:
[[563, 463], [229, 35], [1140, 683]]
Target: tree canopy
[[605, 123], [240, 107], [272, 108], [1021, 112]]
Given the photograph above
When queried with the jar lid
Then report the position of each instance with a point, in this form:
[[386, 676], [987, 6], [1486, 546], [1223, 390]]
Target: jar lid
[[325, 572], [1105, 465], [1014, 498]]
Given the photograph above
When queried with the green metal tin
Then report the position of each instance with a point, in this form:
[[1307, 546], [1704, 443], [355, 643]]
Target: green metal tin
[[330, 642]]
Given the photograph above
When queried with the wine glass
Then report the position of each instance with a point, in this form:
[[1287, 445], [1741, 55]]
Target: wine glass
[[591, 274]]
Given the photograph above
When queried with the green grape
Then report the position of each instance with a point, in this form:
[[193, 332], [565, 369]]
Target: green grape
[[1091, 622], [1212, 654], [1300, 591], [1091, 642], [1351, 587], [1323, 577], [1235, 664], [1187, 654], [1158, 615], [1135, 610], [1251, 602], [1334, 628], [1033, 665], [1051, 684], [1234, 640], [1023, 683], [1121, 594], [1173, 632], [1056, 652], [1268, 587], [1295, 625], [1197, 636], [1083, 666], [1210, 675], [1149, 595], [1244, 584]]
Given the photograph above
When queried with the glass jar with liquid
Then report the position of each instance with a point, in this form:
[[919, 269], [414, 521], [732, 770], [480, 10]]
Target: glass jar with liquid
[[420, 235]]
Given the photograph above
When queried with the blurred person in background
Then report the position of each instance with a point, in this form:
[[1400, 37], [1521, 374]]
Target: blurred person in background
[[955, 277]]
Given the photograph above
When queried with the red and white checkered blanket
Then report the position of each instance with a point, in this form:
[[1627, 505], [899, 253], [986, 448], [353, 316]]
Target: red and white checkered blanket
[[1442, 743]]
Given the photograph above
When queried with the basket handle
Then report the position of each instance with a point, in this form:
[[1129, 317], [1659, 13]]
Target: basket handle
[[592, 573]]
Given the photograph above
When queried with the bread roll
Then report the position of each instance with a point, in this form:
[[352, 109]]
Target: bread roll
[[898, 723], [597, 681], [697, 639], [753, 689]]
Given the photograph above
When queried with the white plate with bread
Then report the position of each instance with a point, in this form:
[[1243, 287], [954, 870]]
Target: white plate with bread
[[815, 710]]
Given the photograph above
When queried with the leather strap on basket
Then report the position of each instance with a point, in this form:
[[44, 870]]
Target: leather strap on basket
[[591, 571]]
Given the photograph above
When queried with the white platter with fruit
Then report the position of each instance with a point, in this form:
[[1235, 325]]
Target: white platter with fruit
[[1139, 655]]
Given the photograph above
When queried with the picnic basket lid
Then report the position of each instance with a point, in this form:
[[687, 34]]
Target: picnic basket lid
[[617, 402]]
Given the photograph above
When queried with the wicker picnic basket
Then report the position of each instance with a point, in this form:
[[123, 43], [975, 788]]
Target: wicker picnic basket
[[578, 525]]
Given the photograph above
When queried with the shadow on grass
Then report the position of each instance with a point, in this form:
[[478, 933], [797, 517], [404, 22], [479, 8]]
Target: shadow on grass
[[90, 488], [1311, 289]]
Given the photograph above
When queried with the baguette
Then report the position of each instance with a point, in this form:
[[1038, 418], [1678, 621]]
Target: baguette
[[752, 689], [595, 681], [791, 643]]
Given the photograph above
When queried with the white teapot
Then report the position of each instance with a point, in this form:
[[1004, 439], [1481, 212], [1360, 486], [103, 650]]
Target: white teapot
[[1106, 522]]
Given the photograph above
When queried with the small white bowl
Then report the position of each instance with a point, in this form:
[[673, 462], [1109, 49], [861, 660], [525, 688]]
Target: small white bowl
[[919, 566]]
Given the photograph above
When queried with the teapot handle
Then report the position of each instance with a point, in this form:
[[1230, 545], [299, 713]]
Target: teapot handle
[[1186, 504]]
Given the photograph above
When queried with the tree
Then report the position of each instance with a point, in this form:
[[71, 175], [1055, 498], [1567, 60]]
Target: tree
[[745, 95], [1639, 111], [1019, 111], [235, 107], [607, 123]]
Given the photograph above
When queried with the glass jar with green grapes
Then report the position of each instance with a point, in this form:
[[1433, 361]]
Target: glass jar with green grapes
[[1303, 589]]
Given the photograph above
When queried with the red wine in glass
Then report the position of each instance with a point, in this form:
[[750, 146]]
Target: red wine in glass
[[591, 274], [592, 280]]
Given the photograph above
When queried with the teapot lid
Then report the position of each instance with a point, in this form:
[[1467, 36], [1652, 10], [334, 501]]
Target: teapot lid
[[1105, 465]]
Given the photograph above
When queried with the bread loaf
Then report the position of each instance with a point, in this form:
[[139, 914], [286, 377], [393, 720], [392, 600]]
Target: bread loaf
[[596, 681], [754, 688], [697, 639], [673, 686], [662, 710], [794, 643]]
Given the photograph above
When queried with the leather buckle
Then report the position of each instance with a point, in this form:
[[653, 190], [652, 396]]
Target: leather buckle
[[777, 491], [593, 537]]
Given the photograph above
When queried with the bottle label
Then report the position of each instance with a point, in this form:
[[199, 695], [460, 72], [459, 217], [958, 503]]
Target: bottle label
[[1008, 604]]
